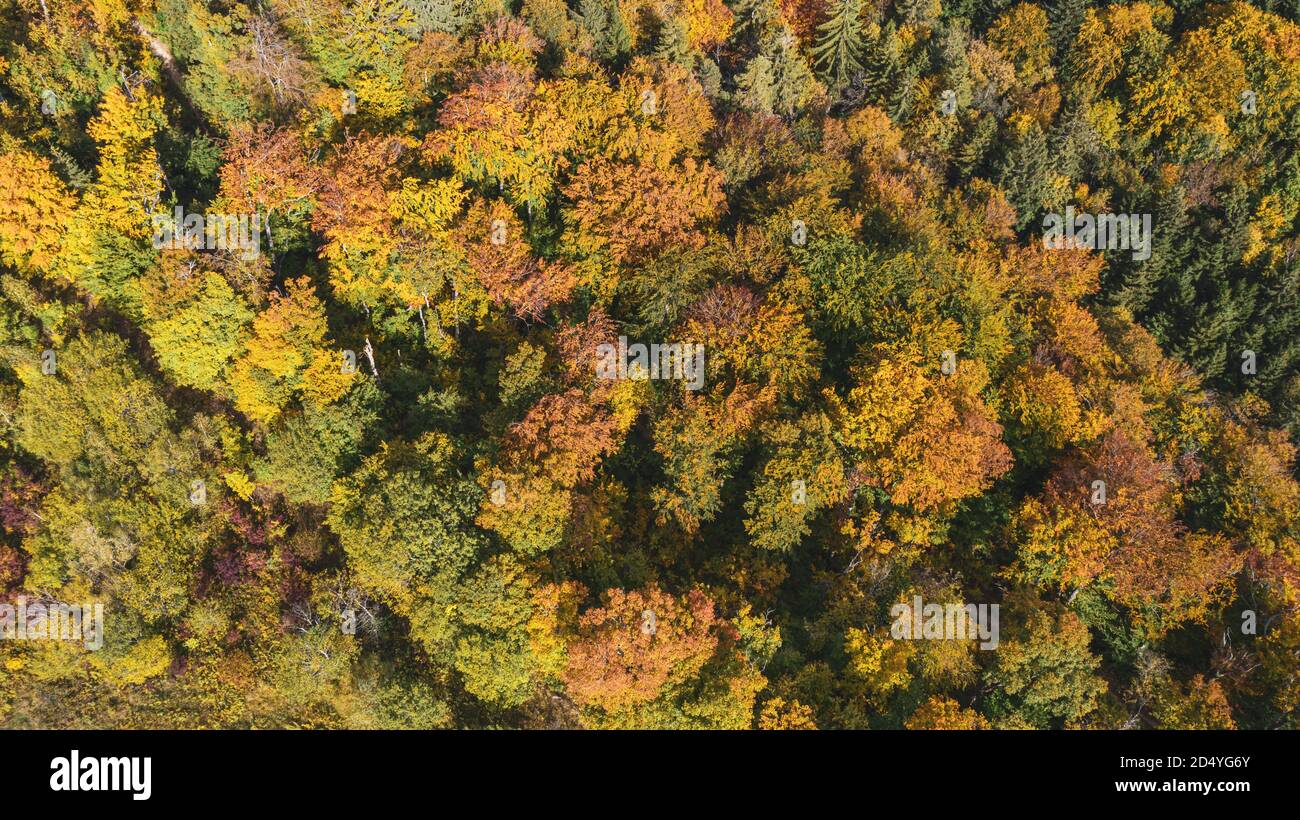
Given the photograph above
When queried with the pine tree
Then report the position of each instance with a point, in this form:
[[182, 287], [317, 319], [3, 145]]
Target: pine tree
[[1137, 286], [754, 85], [778, 79], [970, 154], [605, 23], [1025, 173], [794, 83], [1065, 17], [672, 45], [838, 52]]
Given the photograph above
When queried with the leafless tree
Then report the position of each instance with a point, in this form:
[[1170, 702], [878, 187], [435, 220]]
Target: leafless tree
[[271, 63]]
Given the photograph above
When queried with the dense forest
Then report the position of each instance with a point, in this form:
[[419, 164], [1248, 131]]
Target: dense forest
[[629, 363]]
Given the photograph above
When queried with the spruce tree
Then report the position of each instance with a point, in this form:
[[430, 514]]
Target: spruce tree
[[672, 46], [1064, 18], [1024, 174], [882, 65], [838, 52], [604, 22]]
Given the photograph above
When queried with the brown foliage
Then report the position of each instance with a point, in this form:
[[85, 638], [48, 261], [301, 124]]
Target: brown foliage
[[639, 642], [565, 434], [508, 270], [633, 211]]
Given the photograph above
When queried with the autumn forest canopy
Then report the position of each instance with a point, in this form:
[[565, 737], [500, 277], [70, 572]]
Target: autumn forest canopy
[[629, 363]]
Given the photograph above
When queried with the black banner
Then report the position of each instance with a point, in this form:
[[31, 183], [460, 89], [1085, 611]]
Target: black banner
[[141, 772]]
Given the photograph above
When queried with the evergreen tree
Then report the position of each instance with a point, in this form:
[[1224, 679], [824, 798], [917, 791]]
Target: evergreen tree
[[1065, 17], [1024, 175], [838, 50], [778, 79], [672, 45], [604, 21]]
